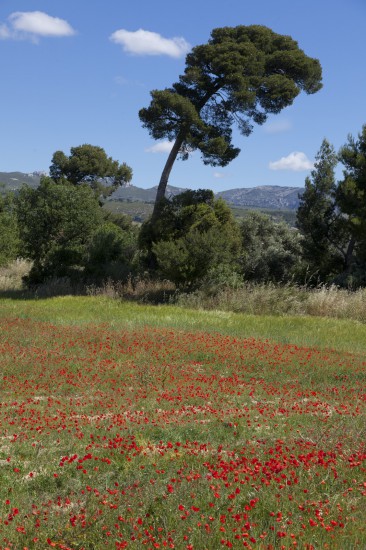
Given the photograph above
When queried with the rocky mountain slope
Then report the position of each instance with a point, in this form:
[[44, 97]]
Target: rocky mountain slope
[[266, 196]]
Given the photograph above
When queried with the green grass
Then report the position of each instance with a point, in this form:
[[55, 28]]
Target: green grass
[[339, 334]]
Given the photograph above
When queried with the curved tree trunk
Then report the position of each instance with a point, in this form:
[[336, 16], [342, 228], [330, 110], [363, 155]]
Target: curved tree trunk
[[166, 172], [176, 147]]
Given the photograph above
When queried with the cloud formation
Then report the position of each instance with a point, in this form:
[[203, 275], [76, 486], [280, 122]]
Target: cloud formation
[[34, 24], [296, 161], [143, 42], [160, 147]]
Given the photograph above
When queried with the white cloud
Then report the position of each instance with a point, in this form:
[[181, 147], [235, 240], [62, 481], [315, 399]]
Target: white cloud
[[277, 126], [33, 24], [296, 161], [219, 175], [160, 147], [143, 42]]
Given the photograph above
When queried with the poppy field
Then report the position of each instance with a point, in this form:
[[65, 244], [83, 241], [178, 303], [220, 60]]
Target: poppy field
[[148, 436]]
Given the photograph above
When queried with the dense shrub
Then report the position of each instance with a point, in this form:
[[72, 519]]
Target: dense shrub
[[111, 252], [193, 234], [272, 250], [9, 233], [56, 223]]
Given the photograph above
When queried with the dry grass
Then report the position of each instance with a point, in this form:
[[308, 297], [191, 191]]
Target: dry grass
[[334, 302], [140, 290], [11, 276], [283, 300]]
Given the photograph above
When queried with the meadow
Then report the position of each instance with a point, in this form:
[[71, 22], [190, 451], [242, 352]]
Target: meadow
[[133, 426]]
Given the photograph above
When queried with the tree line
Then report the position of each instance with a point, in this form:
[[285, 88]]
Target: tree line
[[237, 78], [65, 229]]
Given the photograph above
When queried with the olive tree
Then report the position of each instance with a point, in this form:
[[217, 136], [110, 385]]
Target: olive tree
[[272, 249]]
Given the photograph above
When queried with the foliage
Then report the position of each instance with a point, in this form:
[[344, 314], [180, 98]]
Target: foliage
[[120, 219], [193, 233], [272, 249], [56, 222], [90, 164], [332, 215], [9, 234], [351, 194], [351, 199], [321, 221], [240, 76], [186, 260], [111, 252]]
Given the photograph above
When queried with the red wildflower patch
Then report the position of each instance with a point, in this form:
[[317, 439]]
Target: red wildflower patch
[[165, 439]]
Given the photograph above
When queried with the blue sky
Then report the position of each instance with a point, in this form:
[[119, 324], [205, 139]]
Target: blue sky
[[75, 72]]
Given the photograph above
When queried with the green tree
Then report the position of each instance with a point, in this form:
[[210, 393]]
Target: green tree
[[56, 222], [194, 233], [9, 233], [327, 241], [238, 77], [90, 164], [111, 252], [272, 249], [351, 200]]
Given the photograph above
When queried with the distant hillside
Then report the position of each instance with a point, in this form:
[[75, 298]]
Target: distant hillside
[[14, 180], [132, 193], [265, 196]]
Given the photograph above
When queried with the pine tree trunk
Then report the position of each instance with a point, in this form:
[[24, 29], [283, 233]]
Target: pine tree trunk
[[166, 173]]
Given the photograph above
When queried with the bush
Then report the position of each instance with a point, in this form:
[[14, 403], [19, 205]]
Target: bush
[[56, 223], [9, 238], [111, 252], [9, 233], [272, 250], [193, 233]]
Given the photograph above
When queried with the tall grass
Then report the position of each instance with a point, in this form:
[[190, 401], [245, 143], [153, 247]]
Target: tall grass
[[269, 299], [138, 290], [253, 299], [11, 276]]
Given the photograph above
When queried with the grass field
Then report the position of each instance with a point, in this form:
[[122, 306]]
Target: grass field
[[130, 426]]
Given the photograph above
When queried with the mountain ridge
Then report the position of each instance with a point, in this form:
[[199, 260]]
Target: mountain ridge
[[263, 196]]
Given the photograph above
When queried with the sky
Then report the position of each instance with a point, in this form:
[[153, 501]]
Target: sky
[[75, 72]]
